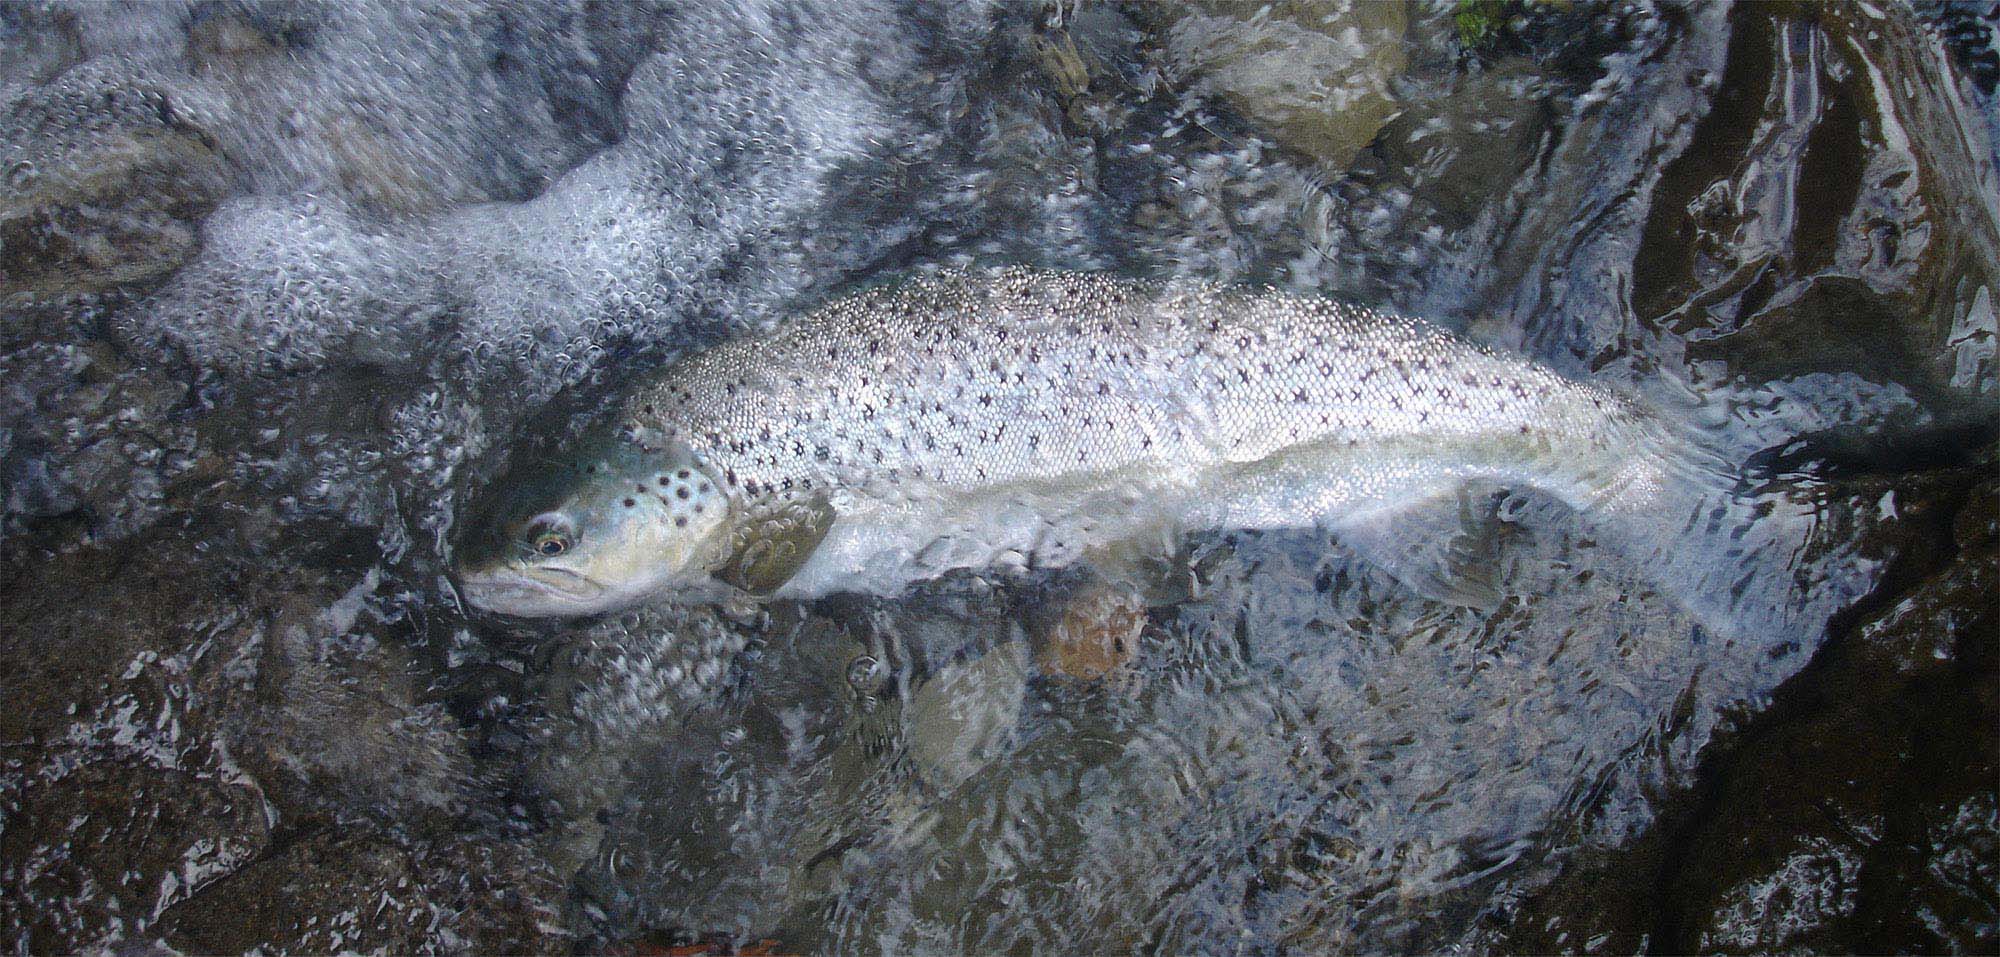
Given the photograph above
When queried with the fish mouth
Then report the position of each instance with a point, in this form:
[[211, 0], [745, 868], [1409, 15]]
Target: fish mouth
[[531, 593]]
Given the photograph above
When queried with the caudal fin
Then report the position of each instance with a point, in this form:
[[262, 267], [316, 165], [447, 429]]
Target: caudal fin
[[1750, 561]]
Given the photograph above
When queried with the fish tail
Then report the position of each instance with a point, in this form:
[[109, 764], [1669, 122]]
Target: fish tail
[[1749, 561]]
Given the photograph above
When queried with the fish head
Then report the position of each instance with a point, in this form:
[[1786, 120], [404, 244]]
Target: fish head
[[598, 527]]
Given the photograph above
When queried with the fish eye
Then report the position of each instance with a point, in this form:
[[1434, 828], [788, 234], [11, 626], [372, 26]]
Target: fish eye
[[549, 535]]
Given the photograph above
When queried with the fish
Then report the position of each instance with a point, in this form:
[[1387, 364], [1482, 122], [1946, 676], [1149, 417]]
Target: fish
[[1020, 418]]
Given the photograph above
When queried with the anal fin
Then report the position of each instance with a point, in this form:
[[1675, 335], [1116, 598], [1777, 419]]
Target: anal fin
[[1442, 546]]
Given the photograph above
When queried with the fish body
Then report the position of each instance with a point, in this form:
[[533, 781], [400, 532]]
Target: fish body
[[1028, 417]]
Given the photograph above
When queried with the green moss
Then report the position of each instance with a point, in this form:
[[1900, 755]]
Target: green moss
[[1480, 21]]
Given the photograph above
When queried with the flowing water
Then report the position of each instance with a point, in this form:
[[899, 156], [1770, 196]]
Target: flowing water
[[284, 284]]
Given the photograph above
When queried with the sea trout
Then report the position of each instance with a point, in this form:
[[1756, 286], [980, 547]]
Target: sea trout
[[1029, 418]]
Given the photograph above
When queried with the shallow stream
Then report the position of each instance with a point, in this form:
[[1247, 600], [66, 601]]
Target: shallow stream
[[282, 285]]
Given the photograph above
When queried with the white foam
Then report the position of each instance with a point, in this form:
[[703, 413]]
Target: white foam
[[398, 164]]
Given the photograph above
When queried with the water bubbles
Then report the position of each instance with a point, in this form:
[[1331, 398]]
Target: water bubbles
[[867, 675], [348, 197]]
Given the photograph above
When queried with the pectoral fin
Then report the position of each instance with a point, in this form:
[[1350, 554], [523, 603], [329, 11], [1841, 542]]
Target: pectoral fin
[[1441, 546], [773, 541]]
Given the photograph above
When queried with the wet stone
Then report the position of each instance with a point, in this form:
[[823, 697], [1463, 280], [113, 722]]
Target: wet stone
[[116, 842], [1813, 212], [174, 743], [1091, 634], [86, 446], [91, 208], [330, 891], [1315, 77]]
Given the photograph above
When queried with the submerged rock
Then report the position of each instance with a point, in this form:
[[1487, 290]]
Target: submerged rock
[[1820, 219], [232, 753], [103, 184], [1092, 633], [1314, 76], [325, 890]]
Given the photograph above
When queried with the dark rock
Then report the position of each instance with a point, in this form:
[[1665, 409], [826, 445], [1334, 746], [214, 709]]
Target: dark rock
[[333, 891], [1856, 813], [234, 752], [116, 839], [87, 447], [1816, 221]]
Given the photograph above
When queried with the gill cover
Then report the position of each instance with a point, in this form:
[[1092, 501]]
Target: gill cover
[[602, 525]]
